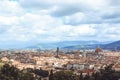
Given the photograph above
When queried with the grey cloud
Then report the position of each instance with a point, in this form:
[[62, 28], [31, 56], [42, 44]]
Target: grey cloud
[[69, 9], [95, 19], [114, 2], [74, 23], [111, 16], [111, 13], [63, 8], [65, 11], [35, 4]]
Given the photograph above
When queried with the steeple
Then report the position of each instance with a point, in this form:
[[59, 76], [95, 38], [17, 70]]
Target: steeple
[[84, 53], [57, 53]]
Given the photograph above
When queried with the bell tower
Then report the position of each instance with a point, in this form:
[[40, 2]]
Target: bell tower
[[57, 53]]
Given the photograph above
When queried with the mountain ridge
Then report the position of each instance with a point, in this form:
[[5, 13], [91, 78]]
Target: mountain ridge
[[110, 46], [64, 44]]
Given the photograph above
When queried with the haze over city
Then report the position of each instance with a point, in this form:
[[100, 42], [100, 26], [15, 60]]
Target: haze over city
[[27, 22]]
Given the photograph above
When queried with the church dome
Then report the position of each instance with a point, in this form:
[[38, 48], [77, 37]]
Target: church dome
[[97, 50]]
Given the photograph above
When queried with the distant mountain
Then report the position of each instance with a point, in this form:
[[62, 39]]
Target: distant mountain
[[79, 47], [112, 46], [68, 44], [109, 46]]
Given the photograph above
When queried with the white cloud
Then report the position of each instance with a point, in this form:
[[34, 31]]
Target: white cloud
[[13, 20], [10, 8], [75, 18], [84, 30]]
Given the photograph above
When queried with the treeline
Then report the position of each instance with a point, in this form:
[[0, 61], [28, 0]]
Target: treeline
[[10, 72]]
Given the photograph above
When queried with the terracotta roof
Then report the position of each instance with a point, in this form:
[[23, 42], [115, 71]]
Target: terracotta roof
[[86, 71], [117, 66]]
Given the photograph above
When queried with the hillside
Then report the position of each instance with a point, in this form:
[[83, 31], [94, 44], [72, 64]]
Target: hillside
[[68, 45], [113, 46], [110, 46]]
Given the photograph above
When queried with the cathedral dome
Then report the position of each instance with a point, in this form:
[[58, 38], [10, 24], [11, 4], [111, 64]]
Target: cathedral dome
[[98, 50]]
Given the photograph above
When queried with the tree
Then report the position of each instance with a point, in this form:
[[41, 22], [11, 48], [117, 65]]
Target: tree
[[81, 76], [86, 77], [51, 75], [26, 76], [41, 73], [10, 72], [97, 76], [64, 75]]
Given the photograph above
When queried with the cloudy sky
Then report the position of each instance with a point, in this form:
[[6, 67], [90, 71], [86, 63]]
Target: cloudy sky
[[38, 21]]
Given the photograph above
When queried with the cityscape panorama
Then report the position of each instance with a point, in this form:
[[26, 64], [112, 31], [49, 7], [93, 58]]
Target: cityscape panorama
[[59, 39]]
